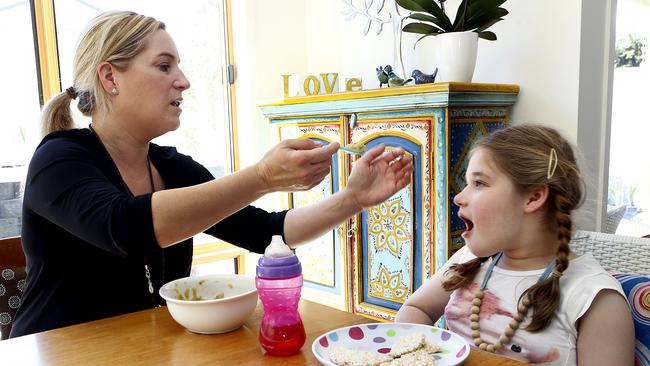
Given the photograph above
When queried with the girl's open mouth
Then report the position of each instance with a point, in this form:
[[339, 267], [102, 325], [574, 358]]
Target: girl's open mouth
[[469, 225]]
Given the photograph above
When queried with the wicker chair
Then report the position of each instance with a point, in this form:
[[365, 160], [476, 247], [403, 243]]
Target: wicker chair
[[616, 253], [628, 259]]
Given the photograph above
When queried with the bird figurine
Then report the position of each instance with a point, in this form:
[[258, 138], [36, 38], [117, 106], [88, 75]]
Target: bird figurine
[[422, 78], [382, 76], [393, 79]]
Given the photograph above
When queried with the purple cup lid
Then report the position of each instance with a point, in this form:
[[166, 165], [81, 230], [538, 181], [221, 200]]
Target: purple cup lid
[[284, 267]]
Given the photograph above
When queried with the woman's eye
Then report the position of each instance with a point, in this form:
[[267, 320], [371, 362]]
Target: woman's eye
[[478, 183], [164, 67]]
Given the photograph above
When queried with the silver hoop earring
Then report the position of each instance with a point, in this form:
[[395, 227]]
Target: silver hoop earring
[[114, 91]]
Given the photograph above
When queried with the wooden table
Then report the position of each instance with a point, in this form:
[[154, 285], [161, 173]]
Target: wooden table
[[152, 337]]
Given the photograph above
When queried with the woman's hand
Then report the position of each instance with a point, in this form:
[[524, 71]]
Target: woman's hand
[[296, 164], [378, 175]]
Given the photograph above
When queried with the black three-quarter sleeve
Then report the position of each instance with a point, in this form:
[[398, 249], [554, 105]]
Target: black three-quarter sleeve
[[250, 228], [67, 188]]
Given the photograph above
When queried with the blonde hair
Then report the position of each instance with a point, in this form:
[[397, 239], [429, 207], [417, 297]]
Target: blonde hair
[[115, 37], [522, 153]]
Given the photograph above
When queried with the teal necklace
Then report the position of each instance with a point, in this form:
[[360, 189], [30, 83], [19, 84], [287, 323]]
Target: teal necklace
[[522, 310]]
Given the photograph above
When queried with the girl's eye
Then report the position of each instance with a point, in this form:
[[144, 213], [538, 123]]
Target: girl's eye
[[164, 67], [478, 183]]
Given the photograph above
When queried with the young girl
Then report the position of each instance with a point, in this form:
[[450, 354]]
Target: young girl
[[516, 289]]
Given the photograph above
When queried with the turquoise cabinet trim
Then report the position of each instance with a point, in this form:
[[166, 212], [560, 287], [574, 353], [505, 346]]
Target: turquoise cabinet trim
[[408, 101]]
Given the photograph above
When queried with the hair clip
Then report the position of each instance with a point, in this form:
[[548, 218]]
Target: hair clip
[[355, 149], [552, 164]]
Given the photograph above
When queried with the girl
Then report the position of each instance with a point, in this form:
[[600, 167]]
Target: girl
[[516, 289]]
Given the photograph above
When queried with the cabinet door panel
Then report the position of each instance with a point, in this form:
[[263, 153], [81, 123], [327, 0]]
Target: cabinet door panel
[[392, 245], [323, 260], [391, 237]]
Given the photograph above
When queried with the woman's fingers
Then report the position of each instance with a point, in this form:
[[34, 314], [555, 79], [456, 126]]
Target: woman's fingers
[[312, 151], [371, 155]]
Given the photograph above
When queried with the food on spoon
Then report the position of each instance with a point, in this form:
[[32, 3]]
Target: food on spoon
[[356, 148]]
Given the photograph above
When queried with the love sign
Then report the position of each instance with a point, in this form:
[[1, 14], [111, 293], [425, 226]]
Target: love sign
[[324, 83]]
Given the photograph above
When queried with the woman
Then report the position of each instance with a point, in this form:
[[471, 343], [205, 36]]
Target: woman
[[109, 216]]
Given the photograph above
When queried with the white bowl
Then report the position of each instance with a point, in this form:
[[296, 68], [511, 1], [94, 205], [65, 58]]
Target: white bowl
[[196, 303]]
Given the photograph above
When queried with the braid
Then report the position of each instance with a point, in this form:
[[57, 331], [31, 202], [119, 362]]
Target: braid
[[462, 273], [545, 295]]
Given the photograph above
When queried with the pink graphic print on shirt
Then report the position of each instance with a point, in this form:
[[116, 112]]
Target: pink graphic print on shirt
[[459, 310]]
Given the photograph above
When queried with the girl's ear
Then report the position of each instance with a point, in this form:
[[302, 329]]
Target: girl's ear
[[106, 76], [536, 199]]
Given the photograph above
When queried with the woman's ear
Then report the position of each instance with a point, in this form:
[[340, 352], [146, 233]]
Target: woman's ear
[[536, 199], [106, 77]]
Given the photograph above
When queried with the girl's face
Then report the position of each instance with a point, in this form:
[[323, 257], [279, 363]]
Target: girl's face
[[150, 90], [490, 206]]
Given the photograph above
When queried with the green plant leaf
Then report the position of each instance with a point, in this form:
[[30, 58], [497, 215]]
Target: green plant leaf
[[427, 6], [488, 25], [479, 12], [483, 4], [488, 36], [460, 13], [485, 17], [427, 18], [420, 28]]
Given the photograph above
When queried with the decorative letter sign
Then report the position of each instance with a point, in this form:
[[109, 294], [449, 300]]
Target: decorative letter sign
[[324, 83]]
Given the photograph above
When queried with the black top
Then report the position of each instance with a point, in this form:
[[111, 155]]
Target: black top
[[87, 238]]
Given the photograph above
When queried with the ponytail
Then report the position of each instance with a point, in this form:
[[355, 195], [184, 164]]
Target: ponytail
[[56, 115]]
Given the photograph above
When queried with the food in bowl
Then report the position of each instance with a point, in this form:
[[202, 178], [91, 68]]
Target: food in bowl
[[211, 304]]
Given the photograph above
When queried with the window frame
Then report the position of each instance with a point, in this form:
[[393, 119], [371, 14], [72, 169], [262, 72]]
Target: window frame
[[49, 73]]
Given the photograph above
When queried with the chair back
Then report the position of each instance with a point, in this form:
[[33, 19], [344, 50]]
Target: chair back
[[614, 217], [616, 253], [628, 259], [12, 281]]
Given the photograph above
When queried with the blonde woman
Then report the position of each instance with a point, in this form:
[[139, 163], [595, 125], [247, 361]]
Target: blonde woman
[[108, 215]]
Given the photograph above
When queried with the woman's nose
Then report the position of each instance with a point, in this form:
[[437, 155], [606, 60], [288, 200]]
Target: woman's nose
[[182, 83]]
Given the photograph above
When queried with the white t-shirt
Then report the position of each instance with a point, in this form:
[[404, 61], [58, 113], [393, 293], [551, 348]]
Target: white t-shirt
[[556, 344]]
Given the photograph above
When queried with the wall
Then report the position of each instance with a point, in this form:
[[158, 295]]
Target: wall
[[538, 47], [269, 41]]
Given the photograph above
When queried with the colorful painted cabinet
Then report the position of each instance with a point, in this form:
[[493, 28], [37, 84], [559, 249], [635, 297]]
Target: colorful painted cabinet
[[375, 260]]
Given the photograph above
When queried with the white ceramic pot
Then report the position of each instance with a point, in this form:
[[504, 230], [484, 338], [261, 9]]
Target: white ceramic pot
[[455, 56]]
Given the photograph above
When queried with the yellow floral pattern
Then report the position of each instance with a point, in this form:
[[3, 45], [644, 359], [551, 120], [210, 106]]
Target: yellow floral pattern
[[388, 286], [388, 224]]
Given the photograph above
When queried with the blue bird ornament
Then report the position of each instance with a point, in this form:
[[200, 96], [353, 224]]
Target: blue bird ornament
[[422, 78]]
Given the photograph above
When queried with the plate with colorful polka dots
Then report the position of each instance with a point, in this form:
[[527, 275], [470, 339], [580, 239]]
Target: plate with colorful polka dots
[[377, 339]]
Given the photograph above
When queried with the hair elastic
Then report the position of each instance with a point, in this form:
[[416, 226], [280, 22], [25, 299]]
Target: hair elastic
[[72, 93], [552, 164]]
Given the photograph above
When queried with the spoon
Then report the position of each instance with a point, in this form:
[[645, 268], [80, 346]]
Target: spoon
[[354, 149]]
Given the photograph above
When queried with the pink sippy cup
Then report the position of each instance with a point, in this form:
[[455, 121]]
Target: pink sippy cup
[[279, 281]]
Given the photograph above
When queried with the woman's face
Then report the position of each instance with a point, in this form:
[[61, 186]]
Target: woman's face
[[150, 88], [490, 206]]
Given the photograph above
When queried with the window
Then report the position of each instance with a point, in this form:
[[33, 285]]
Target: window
[[629, 170], [20, 123], [199, 31]]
